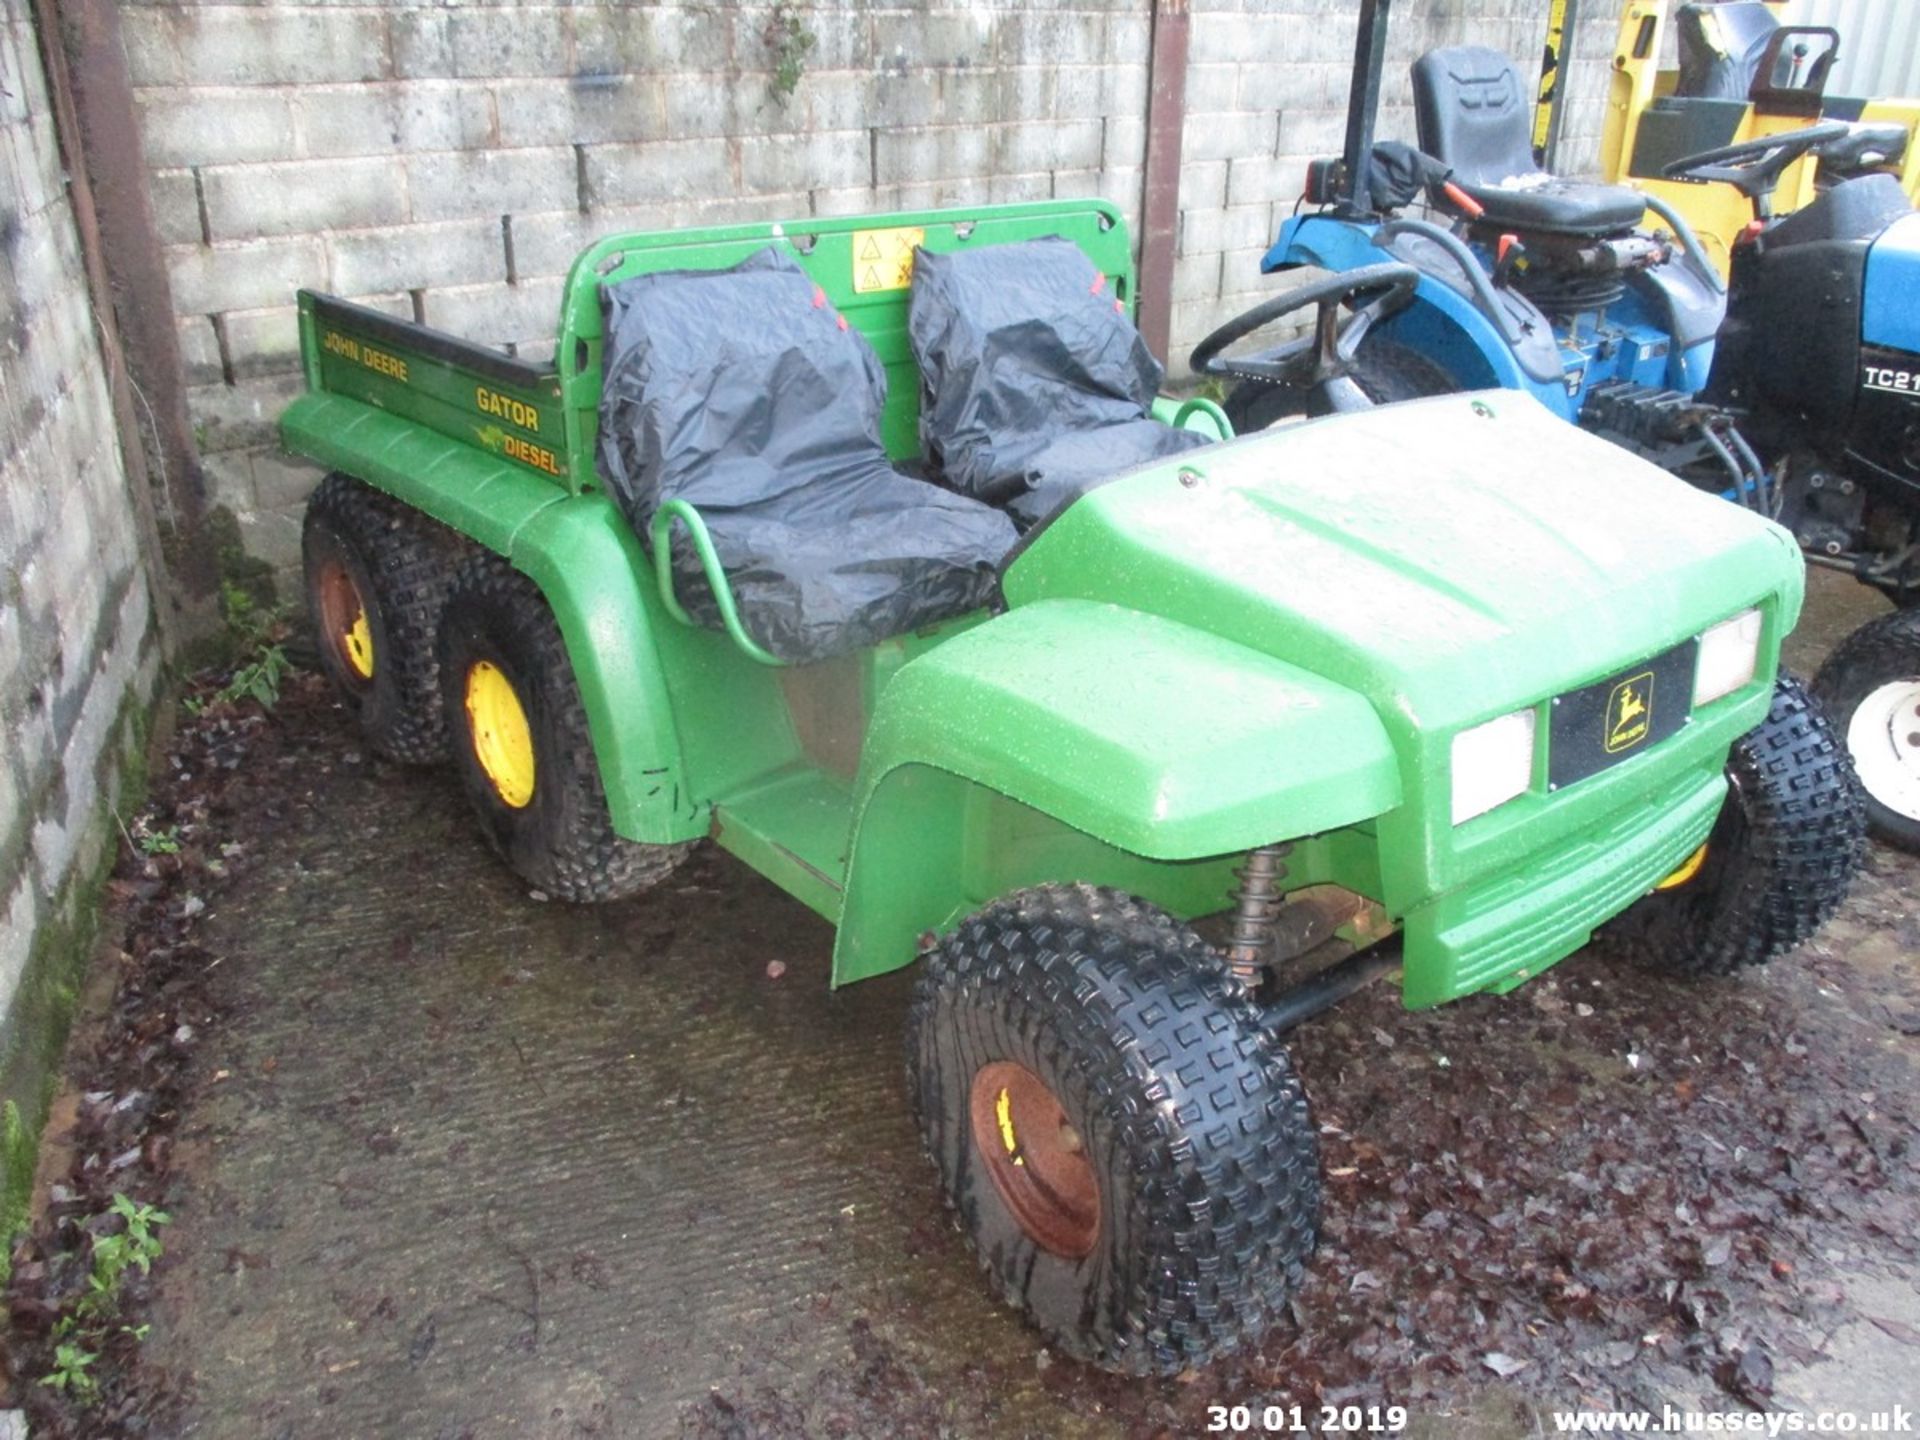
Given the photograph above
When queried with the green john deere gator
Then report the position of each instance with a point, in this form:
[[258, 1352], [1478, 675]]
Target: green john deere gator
[[867, 548]]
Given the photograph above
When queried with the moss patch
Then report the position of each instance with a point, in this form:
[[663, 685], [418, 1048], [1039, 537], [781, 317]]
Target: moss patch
[[240, 573], [35, 1031], [237, 567]]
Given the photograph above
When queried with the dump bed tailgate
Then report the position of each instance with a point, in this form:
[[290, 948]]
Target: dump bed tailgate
[[467, 392]]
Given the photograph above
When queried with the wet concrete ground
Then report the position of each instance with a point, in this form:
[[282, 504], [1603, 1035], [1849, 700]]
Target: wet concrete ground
[[465, 1164]]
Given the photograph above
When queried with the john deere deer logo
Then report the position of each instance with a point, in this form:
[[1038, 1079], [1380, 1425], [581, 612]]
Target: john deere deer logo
[[1629, 712]]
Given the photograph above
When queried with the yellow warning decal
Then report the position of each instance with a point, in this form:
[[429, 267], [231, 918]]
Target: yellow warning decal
[[883, 259]]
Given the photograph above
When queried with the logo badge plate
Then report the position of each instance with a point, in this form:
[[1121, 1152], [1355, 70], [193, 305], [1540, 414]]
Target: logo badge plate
[[1611, 721], [1629, 712]]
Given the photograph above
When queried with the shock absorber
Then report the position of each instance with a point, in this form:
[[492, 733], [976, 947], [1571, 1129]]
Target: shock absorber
[[1256, 906]]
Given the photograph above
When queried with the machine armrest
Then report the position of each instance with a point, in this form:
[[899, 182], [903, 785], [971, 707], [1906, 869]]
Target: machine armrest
[[1198, 414], [716, 577]]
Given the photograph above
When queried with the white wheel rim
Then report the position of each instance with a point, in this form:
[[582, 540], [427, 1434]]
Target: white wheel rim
[[1883, 736]]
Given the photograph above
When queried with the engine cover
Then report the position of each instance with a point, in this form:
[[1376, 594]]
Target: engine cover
[[1886, 417]]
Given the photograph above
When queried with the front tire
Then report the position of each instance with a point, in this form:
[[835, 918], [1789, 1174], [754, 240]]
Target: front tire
[[377, 577], [1129, 1153], [1871, 687], [521, 743], [1778, 861]]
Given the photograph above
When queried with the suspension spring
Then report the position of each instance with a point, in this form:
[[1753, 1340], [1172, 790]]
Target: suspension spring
[[1256, 907]]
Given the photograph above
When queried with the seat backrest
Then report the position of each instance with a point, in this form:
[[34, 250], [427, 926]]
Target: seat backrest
[[1473, 113], [1019, 345], [1720, 46], [733, 389], [863, 262], [742, 405]]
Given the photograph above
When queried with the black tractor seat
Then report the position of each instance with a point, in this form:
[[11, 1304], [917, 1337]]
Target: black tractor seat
[[1474, 114], [1721, 47], [743, 394], [1035, 383], [1556, 206]]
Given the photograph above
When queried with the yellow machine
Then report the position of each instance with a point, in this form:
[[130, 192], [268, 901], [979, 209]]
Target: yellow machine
[[1744, 74]]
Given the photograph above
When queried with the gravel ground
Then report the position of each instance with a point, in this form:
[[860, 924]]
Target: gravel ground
[[449, 1162]]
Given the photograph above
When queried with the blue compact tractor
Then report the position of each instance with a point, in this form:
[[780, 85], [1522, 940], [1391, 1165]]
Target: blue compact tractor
[[1791, 387]]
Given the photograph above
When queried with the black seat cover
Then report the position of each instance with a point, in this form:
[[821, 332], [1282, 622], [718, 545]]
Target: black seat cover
[[1708, 73], [1474, 115], [1035, 383], [742, 392]]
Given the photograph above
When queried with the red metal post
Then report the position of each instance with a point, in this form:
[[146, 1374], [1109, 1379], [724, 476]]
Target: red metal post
[[99, 134], [1160, 198]]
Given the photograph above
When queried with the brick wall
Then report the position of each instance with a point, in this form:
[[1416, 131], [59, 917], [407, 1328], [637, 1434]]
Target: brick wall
[[447, 163], [78, 656]]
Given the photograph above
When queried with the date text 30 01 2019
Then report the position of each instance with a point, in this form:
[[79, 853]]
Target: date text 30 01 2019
[[1306, 1420]]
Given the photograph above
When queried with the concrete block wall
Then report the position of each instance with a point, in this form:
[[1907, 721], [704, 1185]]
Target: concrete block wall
[[1267, 92], [78, 653], [448, 162]]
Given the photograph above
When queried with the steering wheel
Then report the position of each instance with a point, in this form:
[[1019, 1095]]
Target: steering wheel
[[1324, 357], [1754, 167]]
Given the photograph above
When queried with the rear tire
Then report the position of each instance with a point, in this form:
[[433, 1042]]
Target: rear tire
[[521, 743], [377, 577], [1385, 371], [1130, 1154], [1778, 862], [1871, 687]]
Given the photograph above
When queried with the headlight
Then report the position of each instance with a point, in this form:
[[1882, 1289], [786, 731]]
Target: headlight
[[1729, 654], [1492, 763]]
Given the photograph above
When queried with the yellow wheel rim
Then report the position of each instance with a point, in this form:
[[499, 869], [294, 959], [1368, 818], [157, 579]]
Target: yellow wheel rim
[[502, 739], [1689, 868], [358, 644], [341, 616]]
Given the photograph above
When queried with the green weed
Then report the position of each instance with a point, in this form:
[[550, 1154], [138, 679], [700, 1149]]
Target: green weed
[[254, 632], [259, 679], [160, 842], [70, 1373], [135, 1246], [790, 42]]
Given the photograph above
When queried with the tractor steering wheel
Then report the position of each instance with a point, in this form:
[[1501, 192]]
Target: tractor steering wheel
[[1324, 357], [1754, 167]]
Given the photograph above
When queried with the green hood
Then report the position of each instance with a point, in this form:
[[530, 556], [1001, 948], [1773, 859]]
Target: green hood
[[1449, 558]]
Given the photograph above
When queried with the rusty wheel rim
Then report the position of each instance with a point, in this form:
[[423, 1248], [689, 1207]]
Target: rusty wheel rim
[[344, 627], [1037, 1159]]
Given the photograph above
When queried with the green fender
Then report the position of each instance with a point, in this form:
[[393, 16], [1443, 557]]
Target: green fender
[[576, 548], [588, 563], [1101, 744]]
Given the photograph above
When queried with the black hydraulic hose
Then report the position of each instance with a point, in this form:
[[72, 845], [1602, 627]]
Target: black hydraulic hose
[[1770, 494], [1741, 485]]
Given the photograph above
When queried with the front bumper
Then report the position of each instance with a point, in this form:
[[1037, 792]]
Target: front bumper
[[1496, 933]]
